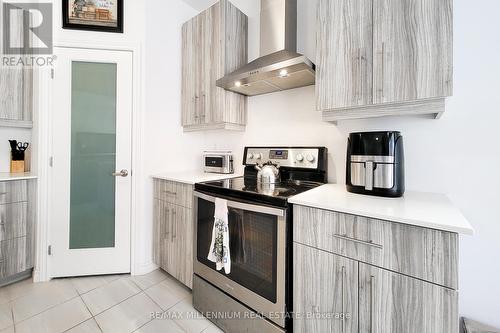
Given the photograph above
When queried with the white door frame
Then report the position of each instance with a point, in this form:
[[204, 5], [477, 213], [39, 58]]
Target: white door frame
[[43, 135]]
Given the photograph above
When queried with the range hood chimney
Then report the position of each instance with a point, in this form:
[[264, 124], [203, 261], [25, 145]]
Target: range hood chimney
[[279, 66]]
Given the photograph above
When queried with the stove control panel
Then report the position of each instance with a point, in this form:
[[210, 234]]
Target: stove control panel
[[306, 158]]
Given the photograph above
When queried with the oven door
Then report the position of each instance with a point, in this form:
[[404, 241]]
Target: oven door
[[257, 243]]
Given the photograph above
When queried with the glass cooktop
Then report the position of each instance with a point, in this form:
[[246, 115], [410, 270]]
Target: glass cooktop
[[249, 189]]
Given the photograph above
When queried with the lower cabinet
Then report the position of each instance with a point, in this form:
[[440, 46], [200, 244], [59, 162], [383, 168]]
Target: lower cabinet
[[336, 294], [325, 291], [173, 235], [395, 303], [17, 225]]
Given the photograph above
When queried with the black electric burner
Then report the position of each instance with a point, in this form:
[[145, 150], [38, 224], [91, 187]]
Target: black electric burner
[[248, 189]]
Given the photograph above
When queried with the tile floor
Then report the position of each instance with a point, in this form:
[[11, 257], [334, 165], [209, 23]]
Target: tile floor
[[151, 303]]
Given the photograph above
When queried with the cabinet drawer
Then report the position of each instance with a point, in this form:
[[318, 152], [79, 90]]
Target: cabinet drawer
[[426, 254], [13, 191], [15, 256], [172, 192], [13, 220]]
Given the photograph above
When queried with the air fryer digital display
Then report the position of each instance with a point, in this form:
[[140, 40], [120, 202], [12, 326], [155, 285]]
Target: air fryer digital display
[[278, 154]]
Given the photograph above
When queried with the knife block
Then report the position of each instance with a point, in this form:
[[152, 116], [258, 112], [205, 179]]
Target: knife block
[[16, 166]]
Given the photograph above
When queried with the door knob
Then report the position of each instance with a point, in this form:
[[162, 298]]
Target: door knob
[[122, 173]]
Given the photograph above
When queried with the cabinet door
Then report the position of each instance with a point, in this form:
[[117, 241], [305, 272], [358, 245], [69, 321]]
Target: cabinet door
[[163, 248], [395, 303], [15, 81], [325, 291], [344, 61], [182, 243], [191, 59], [412, 50]]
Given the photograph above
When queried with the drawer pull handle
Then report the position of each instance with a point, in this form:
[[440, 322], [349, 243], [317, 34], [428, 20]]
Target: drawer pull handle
[[170, 192], [2, 260], [343, 298], [369, 243], [3, 193], [372, 303]]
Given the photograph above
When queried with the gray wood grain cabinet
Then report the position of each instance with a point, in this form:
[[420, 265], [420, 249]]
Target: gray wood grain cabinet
[[383, 57], [16, 83], [388, 277], [174, 229], [17, 229], [214, 43], [324, 284]]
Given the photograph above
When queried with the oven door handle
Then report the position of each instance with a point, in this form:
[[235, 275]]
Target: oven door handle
[[244, 206]]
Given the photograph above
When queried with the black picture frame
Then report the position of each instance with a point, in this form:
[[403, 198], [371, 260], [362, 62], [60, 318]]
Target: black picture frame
[[91, 27]]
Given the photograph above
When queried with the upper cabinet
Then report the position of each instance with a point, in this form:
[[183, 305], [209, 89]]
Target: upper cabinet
[[383, 57], [16, 82], [214, 44]]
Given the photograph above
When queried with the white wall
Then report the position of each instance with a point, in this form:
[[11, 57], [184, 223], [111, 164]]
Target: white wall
[[457, 155]]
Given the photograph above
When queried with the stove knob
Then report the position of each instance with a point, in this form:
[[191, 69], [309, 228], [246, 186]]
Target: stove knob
[[250, 156], [299, 157], [258, 156], [310, 158]]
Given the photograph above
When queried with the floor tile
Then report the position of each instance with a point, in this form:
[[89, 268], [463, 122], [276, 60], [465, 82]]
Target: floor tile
[[149, 280], [5, 316], [160, 325], [42, 297], [212, 329], [168, 293], [90, 326], [16, 290], [88, 283], [8, 330], [57, 319], [110, 294], [187, 317], [128, 315]]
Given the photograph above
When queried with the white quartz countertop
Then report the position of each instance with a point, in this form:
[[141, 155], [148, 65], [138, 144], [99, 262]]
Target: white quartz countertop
[[192, 177], [7, 176], [427, 210]]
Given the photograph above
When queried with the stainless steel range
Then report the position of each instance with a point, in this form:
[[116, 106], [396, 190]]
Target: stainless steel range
[[256, 296]]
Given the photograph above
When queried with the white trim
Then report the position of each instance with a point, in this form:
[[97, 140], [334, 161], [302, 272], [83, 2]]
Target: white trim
[[42, 272]]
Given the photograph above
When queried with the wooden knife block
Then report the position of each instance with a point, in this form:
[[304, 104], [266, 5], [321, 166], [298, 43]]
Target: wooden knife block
[[16, 166]]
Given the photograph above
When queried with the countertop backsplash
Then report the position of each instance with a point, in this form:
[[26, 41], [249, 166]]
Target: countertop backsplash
[[6, 134]]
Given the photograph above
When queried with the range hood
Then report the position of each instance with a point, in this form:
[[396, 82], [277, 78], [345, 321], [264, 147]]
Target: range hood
[[279, 66]]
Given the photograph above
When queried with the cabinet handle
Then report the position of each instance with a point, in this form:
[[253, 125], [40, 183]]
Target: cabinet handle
[[383, 72], [167, 229], [3, 193], [360, 78], [170, 192], [369, 243], [372, 304], [174, 224], [343, 298], [2, 260]]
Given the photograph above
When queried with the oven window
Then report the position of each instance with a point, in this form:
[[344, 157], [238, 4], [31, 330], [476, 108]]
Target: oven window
[[253, 241]]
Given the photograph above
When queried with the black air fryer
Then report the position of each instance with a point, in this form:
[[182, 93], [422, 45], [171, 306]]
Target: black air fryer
[[375, 164]]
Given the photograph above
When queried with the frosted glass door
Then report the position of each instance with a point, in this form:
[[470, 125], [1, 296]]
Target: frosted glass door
[[93, 155], [91, 185]]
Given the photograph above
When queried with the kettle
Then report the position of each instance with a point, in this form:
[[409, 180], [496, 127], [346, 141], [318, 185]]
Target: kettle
[[268, 173]]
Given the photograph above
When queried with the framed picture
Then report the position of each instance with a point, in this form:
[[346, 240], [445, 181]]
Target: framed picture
[[93, 15]]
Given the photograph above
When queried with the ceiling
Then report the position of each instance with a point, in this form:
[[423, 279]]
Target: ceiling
[[200, 4]]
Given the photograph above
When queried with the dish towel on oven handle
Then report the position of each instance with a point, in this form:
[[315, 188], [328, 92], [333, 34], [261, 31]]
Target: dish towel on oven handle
[[219, 248]]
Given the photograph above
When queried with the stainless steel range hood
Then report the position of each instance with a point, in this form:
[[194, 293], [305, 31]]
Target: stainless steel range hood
[[279, 66]]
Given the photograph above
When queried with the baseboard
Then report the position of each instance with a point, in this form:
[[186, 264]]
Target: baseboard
[[144, 268]]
